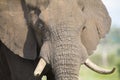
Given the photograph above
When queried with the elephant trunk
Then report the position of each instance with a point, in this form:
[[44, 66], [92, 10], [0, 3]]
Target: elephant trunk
[[68, 53], [66, 63]]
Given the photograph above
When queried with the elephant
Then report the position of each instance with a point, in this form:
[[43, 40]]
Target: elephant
[[51, 37]]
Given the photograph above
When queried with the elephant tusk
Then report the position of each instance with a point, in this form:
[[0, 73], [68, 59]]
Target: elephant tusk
[[97, 69], [41, 65]]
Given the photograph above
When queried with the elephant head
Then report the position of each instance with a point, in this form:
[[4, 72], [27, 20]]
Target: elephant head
[[75, 28], [67, 31]]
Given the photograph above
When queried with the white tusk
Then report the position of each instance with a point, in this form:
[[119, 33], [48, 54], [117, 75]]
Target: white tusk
[[41, 65], [97, 69]]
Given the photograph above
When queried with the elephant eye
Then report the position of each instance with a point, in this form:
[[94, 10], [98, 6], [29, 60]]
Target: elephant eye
[[40, 24], [37, 11], [83, 8], [84, 27]]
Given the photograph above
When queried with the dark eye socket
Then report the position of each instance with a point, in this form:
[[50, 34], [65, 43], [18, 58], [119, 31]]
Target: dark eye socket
[[40, 24], [36, 10]]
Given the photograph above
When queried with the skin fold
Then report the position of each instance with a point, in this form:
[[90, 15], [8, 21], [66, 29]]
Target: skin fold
[[62, 32]]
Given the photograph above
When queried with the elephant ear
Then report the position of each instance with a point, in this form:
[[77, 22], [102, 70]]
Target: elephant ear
[[97, 23], [14, 31]]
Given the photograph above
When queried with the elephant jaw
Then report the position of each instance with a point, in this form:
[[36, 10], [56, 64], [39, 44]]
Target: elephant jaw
[[97, 69]]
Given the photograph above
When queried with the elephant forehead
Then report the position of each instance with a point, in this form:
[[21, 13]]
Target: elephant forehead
[[67, 12]]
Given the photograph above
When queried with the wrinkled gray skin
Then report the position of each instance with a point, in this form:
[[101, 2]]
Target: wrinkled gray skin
[[64, 31]]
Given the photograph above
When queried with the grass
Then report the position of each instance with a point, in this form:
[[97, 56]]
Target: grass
[[44, 78]]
